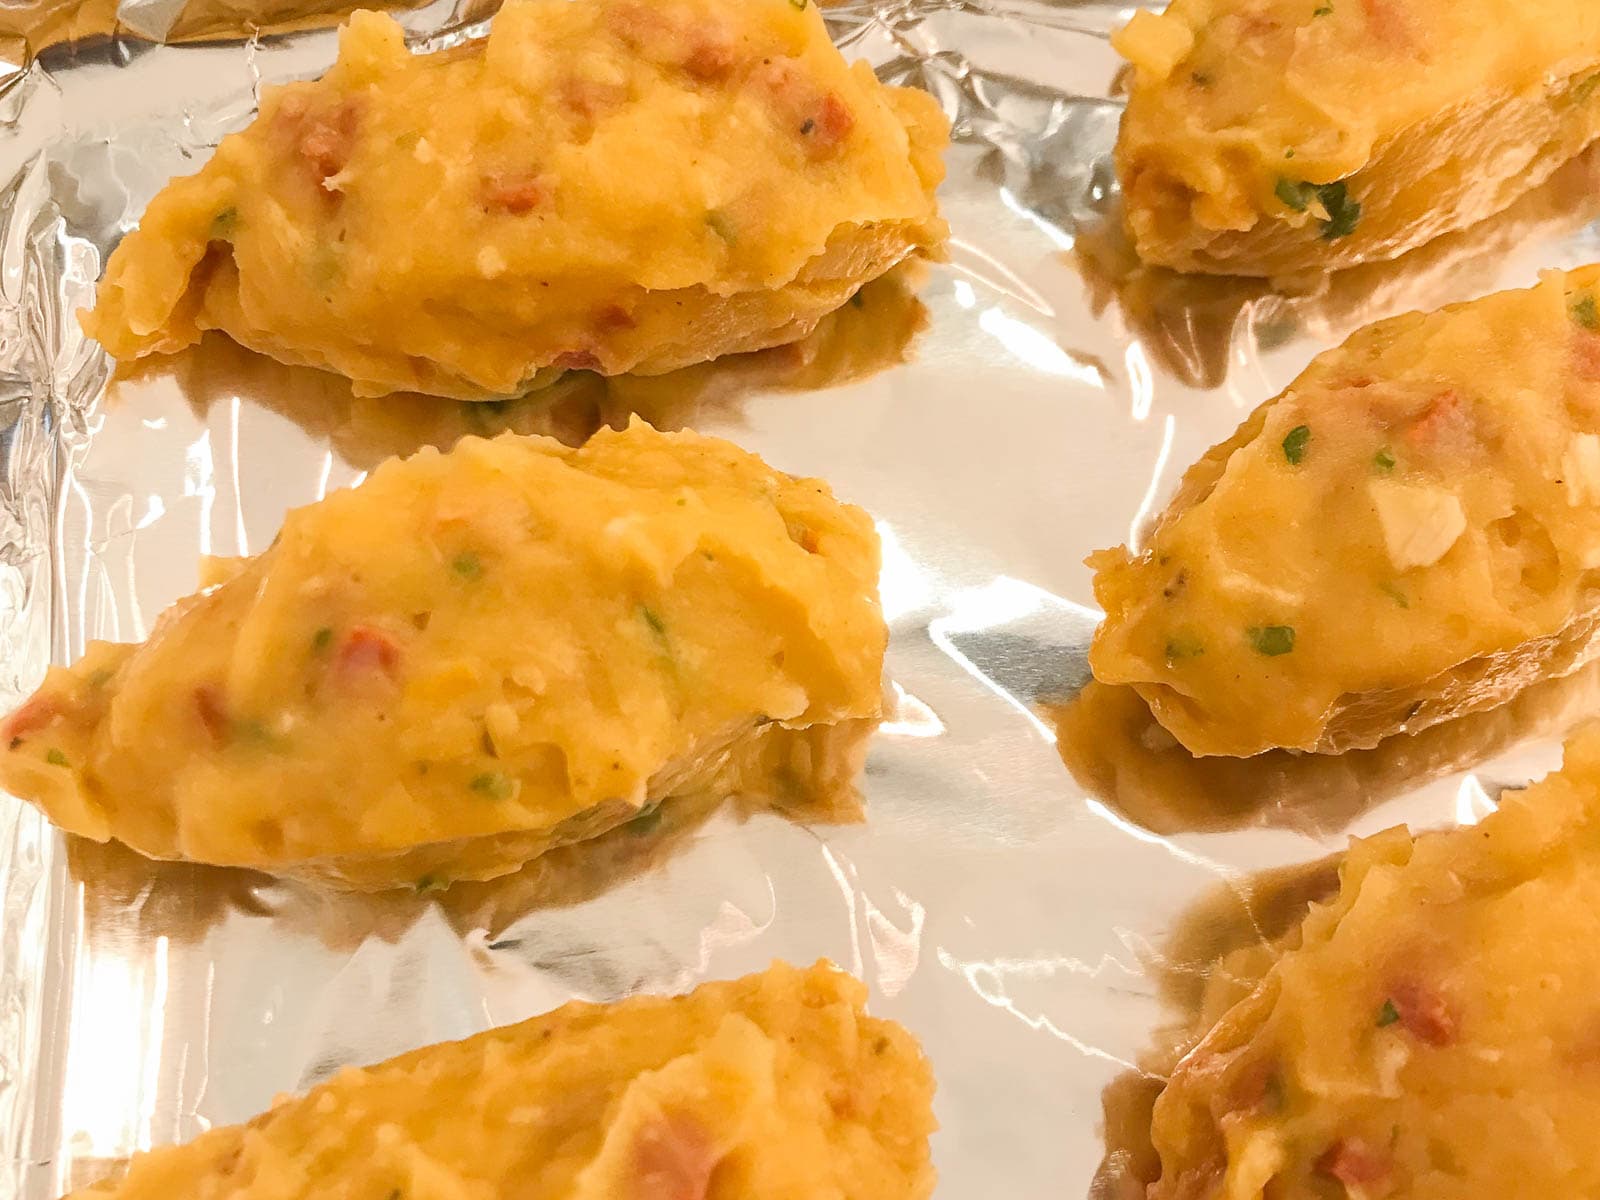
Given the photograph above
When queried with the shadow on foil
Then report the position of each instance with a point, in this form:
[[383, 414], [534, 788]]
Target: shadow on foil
[[874, 331], [1120, 755], [806, 775], [1216, 953], [1191, 324]]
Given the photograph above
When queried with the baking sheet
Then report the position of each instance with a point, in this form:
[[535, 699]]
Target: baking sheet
[[1001, 416]]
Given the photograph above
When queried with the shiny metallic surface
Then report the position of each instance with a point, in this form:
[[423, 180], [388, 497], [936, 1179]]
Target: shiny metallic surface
[[1035, 400]]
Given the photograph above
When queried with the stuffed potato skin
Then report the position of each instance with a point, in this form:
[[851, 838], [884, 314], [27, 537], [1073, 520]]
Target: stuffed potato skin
[[1285, 138], [778, 1084], [1428, 1033], [468, 659], [614, 186], [1405, 535]]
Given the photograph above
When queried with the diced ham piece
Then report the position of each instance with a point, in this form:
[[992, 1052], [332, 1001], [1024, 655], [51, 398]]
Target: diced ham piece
[[327, 141], [366, 652], [1365, 1171], [30, 718], [710, 58], [517, 193], [1390, 24], [822, 120], [673, 1160], [211, 706], [576, 360], [1443, 427], [1424, 1014], [1586, 355]]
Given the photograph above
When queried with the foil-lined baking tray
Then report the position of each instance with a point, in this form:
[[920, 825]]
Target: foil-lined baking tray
[[1032, 920]]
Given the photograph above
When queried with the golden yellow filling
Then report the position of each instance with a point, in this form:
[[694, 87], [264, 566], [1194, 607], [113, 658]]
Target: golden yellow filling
[[775, 1085], [1431, 1033], [468, 658], [1275, 137], [612, 186], [1406, 534]]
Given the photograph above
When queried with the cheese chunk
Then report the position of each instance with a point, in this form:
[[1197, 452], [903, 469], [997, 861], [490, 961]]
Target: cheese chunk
[[1430, 1033], [1406, 534], [776, 1085], [1293, 137], [467, 659], [614, 185]]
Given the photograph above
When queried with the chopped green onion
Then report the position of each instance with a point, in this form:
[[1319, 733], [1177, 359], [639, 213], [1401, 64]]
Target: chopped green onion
[[1583, 312], [224, 223], [468, 565], [1289, 153], [494, 785], [1271, 640], [101, 677], [651, 619], [1388, 1014], [1323, 11], [1294, 444], [322, 639], [1296, 195], [1394, 593], [1183, 645], [1384, 459], [1344, 214], [430, 883], [717, 221], [55, 758]]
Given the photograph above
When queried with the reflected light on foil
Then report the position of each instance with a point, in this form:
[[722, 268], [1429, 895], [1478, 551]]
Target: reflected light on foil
[[1061, 239], [1472, 802], [987, 980], [1141, 385], [1139, 833], [117, 1011], [1169, 428], [903, 587], [199, 480], [1001, 602], [912, 718], [963, 293], [895, 951], [1036, 349]]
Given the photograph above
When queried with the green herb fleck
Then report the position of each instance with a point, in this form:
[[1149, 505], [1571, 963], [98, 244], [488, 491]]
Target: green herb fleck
[[646, 822], [1289, 153], [55, 758], [224, 224], [1272, 1093], [494, 785], [1322, 11], [657, 626], [1294, 444], [1583, 311], [1344, 214], [1388, 1014], [468, 566], [720, 224], [1394, 593], [101, 677], [1296, 195], [321, 639], [1383, 460], [430, 883], [1183, 645], [1271, 640]]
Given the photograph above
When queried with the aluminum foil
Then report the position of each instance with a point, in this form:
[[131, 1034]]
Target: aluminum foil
[[1001, 416]]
